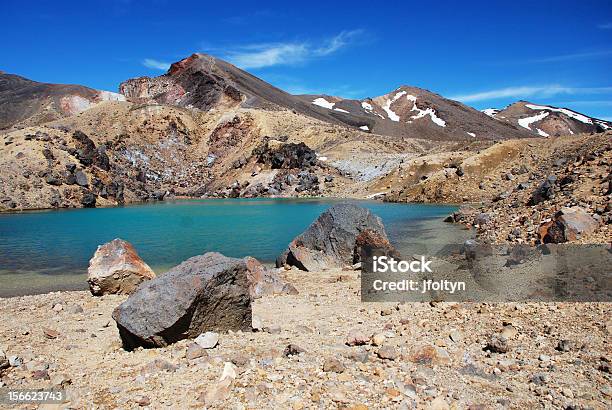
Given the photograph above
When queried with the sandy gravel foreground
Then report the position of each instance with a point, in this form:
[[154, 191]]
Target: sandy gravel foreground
[[557, 355]]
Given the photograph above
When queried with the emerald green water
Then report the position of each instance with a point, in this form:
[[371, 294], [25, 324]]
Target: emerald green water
[[49, 250]]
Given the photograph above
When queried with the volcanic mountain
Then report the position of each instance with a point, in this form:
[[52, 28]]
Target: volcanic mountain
[[546, 120], [417, 113], [204, 82], [25, 102]]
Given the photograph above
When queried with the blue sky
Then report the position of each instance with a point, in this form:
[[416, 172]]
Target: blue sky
[[487, 55]]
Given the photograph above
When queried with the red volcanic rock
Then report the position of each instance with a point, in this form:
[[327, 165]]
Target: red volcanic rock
[[116, 268], [569, 224]]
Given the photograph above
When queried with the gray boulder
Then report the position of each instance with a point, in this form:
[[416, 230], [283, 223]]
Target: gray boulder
[[330, 241], [208, 292]]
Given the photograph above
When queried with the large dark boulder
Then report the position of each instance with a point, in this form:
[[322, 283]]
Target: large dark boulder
[[330, 241], [209, 292]]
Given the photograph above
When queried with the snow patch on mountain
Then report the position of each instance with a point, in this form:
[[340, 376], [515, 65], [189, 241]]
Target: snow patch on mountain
[[364, 127], [569, 113], [341, 110], [322, 102], [542, 133], [603, 125], [367, 106], [471, 134], [491, 111], [422, 113], [387, 107], [525, 122]]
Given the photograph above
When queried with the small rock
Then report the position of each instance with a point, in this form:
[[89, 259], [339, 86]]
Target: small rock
[[60, 380], [378, 339], [195, 351], [50, 333], [357, 338], [256, 324], [292, 350], [438, 404], [273, 330], [387, 353], [385, 312], [509, 332], [455, 336], [74, 309], [497, 344], [333, 365], [142, 401], [15, 361], [40, 375], [430, 355], [58, 307], [158, 365], [565, 345], [207, 340]]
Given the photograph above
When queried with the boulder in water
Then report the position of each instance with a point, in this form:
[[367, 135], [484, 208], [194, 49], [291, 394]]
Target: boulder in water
[[208, 292], [117, 268], [330, 241]]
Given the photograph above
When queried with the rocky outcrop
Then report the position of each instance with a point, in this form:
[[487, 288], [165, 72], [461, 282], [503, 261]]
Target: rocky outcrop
[[116, 268], [209, 292], [280, 155], [265, 282], [569, 224], [330, 241]]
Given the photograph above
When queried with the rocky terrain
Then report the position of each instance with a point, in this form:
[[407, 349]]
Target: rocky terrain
[[321, 348], [518, 185], [544, 120], [24, 102]]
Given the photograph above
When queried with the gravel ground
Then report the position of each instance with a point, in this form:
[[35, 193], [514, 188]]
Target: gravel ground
[[440, 356]]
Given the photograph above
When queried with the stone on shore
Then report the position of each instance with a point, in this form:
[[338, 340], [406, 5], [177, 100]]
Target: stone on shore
[[569, 224], [265, 282], [208, 292], [116, 268], [330, 241]]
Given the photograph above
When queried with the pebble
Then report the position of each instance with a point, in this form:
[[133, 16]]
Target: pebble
[[195, 351], [50, 333], [333, 365], [256, 324], [15, 361], [387, 353], [378, 339], [455, 336], [273, 330], [142, 401], [357, 338], [207, 340], [58, 307], [292, 350], [509, 332]]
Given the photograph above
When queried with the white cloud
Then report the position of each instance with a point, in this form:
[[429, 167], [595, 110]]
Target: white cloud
[[529, 91], [156, 65], [288, 53], [605, 26], [572, 57]]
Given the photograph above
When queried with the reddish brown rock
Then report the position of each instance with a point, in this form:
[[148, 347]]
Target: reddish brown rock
[[430, 355], [116, 268], [264, 281], [569, 224]]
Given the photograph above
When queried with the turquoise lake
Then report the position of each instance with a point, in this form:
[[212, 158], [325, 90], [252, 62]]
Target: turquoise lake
[[41, 251]]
